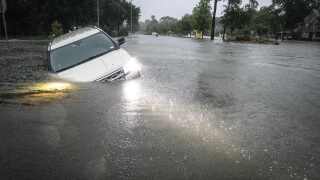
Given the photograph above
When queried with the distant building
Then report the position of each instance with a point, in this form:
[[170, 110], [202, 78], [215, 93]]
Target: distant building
[[310, 28]]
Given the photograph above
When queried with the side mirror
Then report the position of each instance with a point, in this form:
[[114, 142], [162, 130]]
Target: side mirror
[[121, 41]]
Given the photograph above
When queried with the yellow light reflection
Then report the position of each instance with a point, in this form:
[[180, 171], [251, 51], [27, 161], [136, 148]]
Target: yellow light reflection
[[37, 93], [41, 98], [52, 87]]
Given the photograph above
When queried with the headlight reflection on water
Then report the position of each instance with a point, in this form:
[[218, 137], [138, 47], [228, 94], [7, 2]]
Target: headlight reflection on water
[[131, 90], [37, 93], [52, 87], [190, 119], [187, 121]]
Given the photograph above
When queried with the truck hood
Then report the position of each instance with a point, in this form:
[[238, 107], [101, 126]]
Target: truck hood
[[95, 69]]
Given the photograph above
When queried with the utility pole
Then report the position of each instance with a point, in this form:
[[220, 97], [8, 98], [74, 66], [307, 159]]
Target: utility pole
[[5, 25], [131, 18], [98, 13], [224, 26], [214, 19]]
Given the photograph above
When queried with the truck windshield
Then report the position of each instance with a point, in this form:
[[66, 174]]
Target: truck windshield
[[80, 51]]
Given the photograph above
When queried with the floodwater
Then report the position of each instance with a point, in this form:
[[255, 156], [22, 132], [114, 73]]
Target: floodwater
[[201, 110]]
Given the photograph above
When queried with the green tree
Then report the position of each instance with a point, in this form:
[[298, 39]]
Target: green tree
[[152, 25], [114, 13], [202, 16], [185, 24], [167, 25], [235, 17], [34, 17], [294, 11], [232, 4], [56, 29], [267, 21], [253, 4], [136, 11], [251, 10]]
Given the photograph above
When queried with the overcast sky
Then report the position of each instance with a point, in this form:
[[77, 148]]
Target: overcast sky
[[175, 8]]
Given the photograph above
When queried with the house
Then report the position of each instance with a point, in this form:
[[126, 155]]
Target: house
[[310, 28]]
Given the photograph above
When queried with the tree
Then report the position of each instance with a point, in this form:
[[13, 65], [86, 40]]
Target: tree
[[234, 16], [247, 20], [251, 9], [34, 17], [56, 29], [185, 24], [202, 16], [167, 25], [136, 11], [231, 5], [152, 25], [113, 15], [267, 21], [253, 4], [294, 11]]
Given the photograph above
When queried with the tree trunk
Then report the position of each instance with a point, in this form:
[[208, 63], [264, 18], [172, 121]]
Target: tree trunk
[[214, 19], [224, 32]]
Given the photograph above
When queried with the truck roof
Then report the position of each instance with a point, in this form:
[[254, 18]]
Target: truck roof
[[72, 37]]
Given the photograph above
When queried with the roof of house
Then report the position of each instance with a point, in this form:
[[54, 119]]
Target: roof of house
[[72, 37]]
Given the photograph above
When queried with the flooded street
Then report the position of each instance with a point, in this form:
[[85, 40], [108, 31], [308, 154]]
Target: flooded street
[[201, 110]]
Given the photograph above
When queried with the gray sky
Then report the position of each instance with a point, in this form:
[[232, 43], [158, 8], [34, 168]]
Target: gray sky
[[175, 8]]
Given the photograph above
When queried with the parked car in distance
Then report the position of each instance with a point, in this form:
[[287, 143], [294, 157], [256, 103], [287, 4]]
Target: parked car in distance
[[89, 54]]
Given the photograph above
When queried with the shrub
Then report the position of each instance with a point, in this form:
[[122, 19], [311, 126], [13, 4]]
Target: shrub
[[56, 29]]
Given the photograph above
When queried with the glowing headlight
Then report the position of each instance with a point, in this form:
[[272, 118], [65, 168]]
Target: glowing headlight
[[133, 66]]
